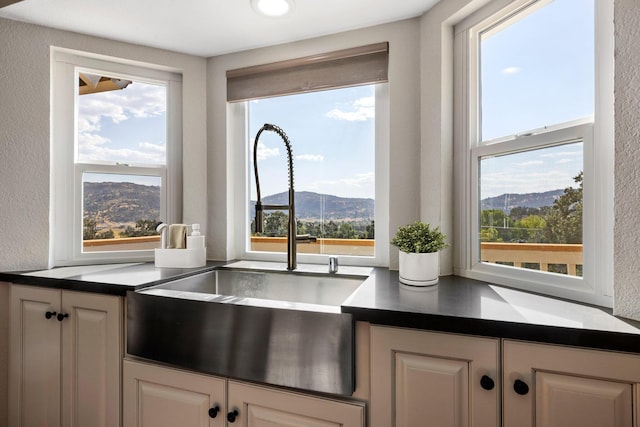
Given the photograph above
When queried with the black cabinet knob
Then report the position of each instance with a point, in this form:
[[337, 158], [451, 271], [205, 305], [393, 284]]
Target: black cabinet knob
[[520, 387], [487, 383], [61, 316], [213, 412], [231, 416], [49, 314]]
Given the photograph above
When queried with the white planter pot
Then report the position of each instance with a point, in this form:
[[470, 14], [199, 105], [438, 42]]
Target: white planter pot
[[419, 269]]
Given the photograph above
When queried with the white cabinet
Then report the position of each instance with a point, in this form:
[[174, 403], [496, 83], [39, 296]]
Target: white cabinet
[[259, 406], [555, 386], [65, 356], [159, 396], [156, 396], [421, 378]]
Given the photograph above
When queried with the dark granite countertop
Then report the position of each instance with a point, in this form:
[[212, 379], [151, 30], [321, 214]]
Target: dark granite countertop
[[112, 279], [455, 305], [466, 306]]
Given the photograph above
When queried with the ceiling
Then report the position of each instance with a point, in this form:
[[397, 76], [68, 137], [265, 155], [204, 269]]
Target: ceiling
[[208, 27]]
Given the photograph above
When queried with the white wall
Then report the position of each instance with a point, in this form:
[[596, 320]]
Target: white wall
[[627, 164], [404, 56], [25, 133], [436, 77]]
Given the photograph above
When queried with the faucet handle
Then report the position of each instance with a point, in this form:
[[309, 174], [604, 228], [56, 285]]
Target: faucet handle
[[333, 264]]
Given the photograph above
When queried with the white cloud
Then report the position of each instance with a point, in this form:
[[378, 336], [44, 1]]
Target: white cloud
[[570, 153], [562, 161], [360, 110], [360, 185], [94, 148], [138, 100], [265, 152], [530, 163], [511, 70], [495, 184], [311, 157]]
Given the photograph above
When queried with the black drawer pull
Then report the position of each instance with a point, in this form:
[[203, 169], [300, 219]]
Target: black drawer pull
[[520, 387], [487, 383], [231, 416], [213, 412]]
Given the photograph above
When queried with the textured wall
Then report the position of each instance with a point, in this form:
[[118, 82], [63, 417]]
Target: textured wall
[[25, 132], [627, 152], [24, 150]]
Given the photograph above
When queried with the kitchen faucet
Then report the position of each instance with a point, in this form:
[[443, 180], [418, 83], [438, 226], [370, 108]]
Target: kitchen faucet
[[292, 229]]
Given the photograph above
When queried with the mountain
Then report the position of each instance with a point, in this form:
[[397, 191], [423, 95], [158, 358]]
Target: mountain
[[508, 201], [121, 202], [125, 202], [312, 206]]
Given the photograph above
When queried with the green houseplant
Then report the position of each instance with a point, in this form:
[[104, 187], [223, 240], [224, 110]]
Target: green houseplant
[[419, 259]]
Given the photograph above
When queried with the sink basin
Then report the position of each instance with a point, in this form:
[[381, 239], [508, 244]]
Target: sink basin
[[307, 289], [277, 327]]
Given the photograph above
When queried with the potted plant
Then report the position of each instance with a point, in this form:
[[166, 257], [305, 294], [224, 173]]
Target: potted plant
[[419, 260]]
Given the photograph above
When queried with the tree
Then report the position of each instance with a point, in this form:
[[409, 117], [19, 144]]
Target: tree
[[276, 224], [107, 234], [529, 229], [346, 231], [493, 218], [489, 234], [564, 222], [144, 227], [89, 228]]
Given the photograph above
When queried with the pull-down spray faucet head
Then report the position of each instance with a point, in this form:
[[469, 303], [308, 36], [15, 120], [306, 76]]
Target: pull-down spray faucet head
[[259, 218]]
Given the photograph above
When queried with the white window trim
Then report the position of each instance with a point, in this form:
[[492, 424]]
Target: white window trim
[[238, 139], [66, 224], [596, 286]]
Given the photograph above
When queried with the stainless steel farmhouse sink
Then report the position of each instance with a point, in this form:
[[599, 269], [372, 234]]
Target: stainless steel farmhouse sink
[[277, 327]]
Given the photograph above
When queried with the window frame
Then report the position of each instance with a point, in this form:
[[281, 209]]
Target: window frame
[[66, 246], [596, 285], [240, 149]]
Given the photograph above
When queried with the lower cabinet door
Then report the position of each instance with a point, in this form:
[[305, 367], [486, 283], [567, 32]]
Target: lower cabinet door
[[430, 379], [91, 359], [34, 361], [565, 400], [154, 396], [257, 406], [556, 386], [431, 390]]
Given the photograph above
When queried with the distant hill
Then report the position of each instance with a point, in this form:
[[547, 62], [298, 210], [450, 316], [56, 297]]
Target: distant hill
[[125, 202], [508, 201], [311, 206], [121, 202]]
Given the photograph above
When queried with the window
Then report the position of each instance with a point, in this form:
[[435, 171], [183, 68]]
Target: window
[[116, 158], [333, 137], [535, 147], [339, 173]]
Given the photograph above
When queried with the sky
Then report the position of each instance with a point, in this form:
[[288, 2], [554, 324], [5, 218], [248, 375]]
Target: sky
[[536, 73], [126, 126], [332, 135]]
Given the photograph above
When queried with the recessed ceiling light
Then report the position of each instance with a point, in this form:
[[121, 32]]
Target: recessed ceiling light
[[272, 7]]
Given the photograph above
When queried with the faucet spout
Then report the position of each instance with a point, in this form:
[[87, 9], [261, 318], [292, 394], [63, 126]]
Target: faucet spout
[[290, 207]]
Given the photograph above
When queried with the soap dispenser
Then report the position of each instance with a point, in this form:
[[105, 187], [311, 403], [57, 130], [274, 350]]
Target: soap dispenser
[[195, 240]]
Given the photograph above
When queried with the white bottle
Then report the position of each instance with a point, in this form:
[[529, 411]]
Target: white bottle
[[195, 240]]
